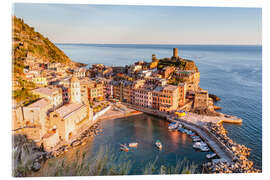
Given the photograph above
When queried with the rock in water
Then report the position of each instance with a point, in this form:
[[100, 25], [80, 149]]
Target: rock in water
[[214, 97]]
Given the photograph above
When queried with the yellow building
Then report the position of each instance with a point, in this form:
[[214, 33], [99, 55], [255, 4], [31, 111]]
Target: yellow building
[[40, 81]]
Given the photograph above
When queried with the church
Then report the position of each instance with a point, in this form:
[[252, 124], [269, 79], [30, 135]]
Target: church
[[69, 120]]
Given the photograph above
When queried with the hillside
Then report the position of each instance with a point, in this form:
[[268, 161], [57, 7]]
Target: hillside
[[27, 40], [183, 64]]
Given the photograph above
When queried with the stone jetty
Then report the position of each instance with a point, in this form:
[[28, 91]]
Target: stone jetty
[[240, 162]]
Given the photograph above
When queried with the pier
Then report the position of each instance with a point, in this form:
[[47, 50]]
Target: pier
[[218, 147]]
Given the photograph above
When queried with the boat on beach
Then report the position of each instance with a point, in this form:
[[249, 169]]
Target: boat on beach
[[158, 144]]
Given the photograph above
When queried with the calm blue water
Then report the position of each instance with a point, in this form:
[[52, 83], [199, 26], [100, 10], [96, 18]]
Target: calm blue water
[[234, 73]]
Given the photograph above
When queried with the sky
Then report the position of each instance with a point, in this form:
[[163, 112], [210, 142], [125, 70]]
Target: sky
[[115, 24]]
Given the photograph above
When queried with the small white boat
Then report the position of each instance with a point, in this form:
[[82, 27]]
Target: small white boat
[[204, 148], [124, 148], [158, 144], [210, 156], [200, 145], [173, 125], [196, 139], [133, 144]]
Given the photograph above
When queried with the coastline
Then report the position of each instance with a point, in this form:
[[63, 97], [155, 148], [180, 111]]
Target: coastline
[[200, 128]]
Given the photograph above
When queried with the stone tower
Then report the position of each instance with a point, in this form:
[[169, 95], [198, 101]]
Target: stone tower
[[175, 53], [75, 90]]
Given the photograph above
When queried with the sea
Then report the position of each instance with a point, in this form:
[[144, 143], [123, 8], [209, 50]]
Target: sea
[[232, 72]]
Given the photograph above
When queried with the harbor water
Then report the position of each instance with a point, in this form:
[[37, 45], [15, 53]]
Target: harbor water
[[233, 73]]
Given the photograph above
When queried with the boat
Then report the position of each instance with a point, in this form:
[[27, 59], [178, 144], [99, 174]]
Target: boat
[[173, 126], [196, 146], [133, 144], [189, 132], [158, 144], [201, 145], [204, 148], [124, 148], [196, 139], [211, 155], [182, 130]]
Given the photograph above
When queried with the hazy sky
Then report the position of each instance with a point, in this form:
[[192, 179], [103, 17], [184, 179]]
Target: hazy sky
[[143, 24]]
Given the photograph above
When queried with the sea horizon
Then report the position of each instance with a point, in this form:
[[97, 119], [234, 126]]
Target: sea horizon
[[158, 44]]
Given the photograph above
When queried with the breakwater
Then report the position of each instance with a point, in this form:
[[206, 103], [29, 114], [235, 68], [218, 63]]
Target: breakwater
[[233, 157]]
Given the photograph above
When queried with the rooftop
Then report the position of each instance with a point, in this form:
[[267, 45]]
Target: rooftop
[[39, 104], [46, 90], [170, 87], [68, 108]]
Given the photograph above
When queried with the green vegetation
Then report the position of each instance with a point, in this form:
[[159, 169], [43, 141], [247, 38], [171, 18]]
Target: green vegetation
[[183, 64], [108, 163], [25, 40], [175, 81], [24, 95]]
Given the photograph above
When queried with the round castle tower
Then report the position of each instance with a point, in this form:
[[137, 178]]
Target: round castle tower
[[75, 89]]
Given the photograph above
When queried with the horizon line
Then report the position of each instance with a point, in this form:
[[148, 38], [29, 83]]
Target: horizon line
[[160, 44]]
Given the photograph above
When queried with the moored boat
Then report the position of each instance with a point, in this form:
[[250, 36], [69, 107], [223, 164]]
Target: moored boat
[[204, 148], [196, 139], [201, 145], [193, 137], [173, 125], [182, 130], [133, 144], [158, 144], [124, 148], [211, 155]]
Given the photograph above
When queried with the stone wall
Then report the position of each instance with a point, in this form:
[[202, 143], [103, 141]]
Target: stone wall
[[51, 140], [100, 113], [17, 118]]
